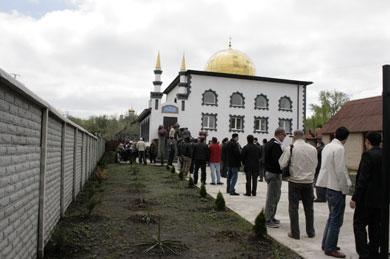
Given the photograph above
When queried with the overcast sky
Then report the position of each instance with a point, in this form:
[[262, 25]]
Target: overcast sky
[[91, 57]]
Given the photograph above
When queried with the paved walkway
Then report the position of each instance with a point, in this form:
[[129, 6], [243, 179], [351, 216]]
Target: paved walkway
[[249, 207]]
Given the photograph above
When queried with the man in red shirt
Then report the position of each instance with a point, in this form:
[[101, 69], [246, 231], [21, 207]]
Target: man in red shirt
[[215, 161]]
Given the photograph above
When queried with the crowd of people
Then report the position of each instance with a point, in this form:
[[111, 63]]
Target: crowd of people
[[303, 165]]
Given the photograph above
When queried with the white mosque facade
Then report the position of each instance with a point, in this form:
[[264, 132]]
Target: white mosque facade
[[226, 98]]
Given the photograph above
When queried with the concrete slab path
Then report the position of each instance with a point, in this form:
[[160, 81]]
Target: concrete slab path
[[249, 207]]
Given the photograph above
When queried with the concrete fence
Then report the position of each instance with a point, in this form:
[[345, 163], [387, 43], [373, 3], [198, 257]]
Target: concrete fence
[[45, 160]]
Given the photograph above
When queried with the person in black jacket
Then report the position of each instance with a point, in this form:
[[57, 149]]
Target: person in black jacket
[[367, 199], [250, 157], [224, 167], [273, 176], [233, 152], [200, 156]]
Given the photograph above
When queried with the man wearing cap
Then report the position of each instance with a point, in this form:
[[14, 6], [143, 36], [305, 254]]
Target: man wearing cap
[[200, 157], [303, 164]]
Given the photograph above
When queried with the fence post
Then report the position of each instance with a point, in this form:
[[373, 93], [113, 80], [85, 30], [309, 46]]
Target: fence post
[[385, 161], [83, 140], [42, 172], [62, 184], [74, 164]]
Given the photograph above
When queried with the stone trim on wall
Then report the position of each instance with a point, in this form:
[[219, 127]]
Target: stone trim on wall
[[243, 100], [243, 123], [209, 114], [267, 102], [216, 98], [266, 127], [291, 104], [291, 124]]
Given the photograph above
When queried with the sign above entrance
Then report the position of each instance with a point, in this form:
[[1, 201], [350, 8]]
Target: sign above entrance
[[170, 109]]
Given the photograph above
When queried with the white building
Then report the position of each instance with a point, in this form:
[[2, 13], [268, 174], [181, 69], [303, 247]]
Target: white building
[[225, 98]]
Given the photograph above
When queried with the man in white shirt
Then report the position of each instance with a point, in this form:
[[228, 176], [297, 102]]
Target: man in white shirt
[[141, 147], [334, 176], [300, 183]]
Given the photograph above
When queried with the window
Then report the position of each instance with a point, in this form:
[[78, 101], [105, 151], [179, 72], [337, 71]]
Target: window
[[175, 100], [236, 123], [237, 100], [261, 102], [156, 104], [286, 124], [209, 98], [285, 104], [183, 105], [261, 125], [209, 121]]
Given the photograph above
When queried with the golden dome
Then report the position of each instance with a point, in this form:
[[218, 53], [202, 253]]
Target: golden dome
[[231, 61]]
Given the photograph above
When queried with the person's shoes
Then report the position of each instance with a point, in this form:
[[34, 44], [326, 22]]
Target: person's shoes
[[247, 194], [253, 194], [276, 221], [336, 254], [271, 224], [311, 236], [220, 183], [318, 200], [337, 248], [234, 194], [212, 183], [291, 236]]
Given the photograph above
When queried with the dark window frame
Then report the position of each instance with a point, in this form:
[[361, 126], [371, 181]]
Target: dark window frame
[[291, 104], [183, 105], [291, 124], [237, 106], [216, 98], [242, 117], [266, 124], [209, 114], [266, 100], [156, 104]]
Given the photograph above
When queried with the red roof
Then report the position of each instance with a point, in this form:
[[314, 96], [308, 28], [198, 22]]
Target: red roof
[[361, 115]]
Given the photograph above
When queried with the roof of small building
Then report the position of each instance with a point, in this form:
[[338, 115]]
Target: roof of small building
[[144, 114], [360, 115]]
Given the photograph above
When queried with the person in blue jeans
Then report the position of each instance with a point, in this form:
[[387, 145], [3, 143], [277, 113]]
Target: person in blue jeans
[[233, 153], [334, 177]]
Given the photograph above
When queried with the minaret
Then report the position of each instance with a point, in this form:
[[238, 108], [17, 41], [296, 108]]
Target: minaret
[[182, 92], [156, 95], [157, 75]]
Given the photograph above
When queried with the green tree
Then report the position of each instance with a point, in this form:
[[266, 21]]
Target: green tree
[[330, 104]]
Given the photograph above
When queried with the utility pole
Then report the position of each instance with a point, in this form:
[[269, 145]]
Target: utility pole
[[386, 162]]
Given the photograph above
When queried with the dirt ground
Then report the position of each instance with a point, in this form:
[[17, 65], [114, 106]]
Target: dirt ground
[[132, 202]]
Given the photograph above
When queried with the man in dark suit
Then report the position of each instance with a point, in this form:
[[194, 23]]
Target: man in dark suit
[[367, 199], [250, 157]]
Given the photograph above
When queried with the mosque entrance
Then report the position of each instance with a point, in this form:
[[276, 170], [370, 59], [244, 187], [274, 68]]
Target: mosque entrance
[[169, 121]]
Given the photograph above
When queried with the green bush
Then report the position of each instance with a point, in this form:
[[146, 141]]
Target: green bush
[[260, 228], [220, 202], [191, 182], [202, 191]]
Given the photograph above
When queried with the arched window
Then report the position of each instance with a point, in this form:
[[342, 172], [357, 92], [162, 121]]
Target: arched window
[[210, 98], [261, 102], [237, 100], [285, 104]]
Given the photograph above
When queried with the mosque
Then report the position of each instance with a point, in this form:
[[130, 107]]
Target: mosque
[[227, 97]]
